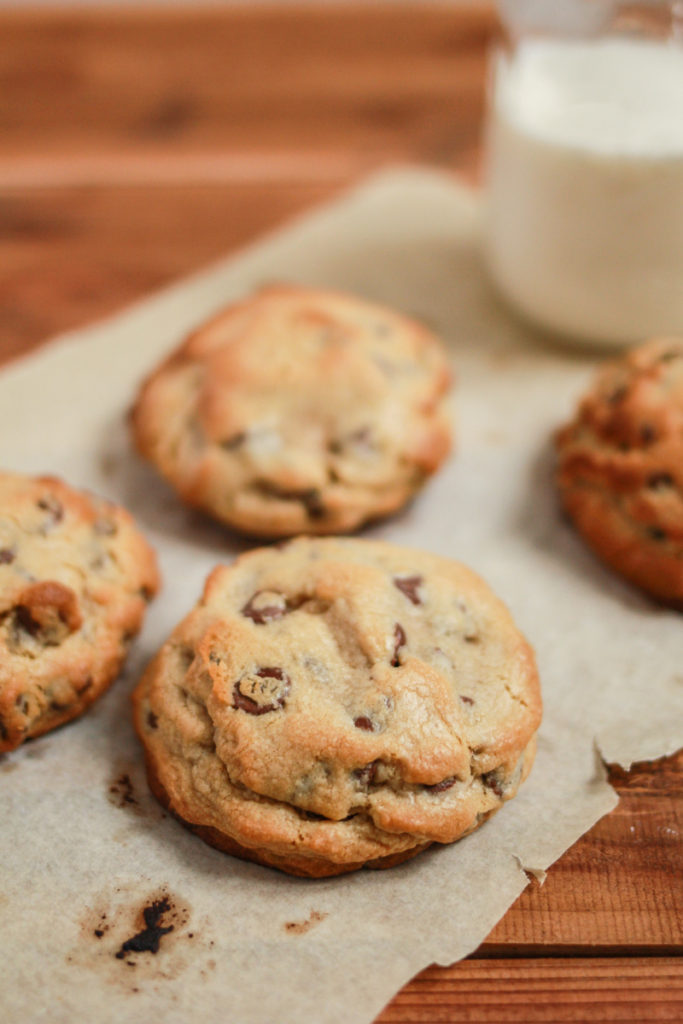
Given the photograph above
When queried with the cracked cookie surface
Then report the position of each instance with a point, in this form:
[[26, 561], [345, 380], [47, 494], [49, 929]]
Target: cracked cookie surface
[[75, 578], [298, 411], [620, 470], [334, 703]]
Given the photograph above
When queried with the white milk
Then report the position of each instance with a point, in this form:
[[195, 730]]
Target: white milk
[[585, 230]]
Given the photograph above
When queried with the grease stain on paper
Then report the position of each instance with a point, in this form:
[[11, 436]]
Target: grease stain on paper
[[301, 927]]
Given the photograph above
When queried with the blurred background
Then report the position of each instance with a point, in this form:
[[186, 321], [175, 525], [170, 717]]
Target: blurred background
[[141, 141]]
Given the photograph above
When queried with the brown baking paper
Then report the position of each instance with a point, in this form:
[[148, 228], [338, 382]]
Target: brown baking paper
[[84, 846]]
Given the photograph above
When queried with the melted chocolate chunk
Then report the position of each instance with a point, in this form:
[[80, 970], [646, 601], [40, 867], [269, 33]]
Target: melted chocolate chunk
[[492, 781], [647, 433], [313, 503], [466, 700], [399, 642], [267, 691], [656, 533], [439, 787], [25, 621], [363, 722], [409, 586], [658, 481], [366, 774], [47, 611], [309, 497], [147, 941], [152, 720], [265, 606], [6, 556], [618, 395]]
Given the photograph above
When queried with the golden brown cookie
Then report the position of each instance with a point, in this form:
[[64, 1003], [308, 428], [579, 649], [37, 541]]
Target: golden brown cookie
[[333, 704], [621, 467], [298, 411], [75, 578]]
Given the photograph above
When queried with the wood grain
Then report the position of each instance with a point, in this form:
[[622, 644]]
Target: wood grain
[[138, 145], [551, 991], [351, 85]]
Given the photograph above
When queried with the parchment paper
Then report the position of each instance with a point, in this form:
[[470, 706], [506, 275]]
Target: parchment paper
[[83, 845]]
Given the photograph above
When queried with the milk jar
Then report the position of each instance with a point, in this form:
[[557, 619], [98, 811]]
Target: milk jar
[[585, 168]]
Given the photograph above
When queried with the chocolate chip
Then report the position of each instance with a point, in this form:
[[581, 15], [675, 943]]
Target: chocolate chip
[[492, 781], [647, 433], [439, 787], [236, 441], [268, 689], [309, 497], [466, 700], [152, 720], [660, 480], [265, 606], [409, 585], [618, 395], [366, 775], [656, 533], [313, 504], [668, 357], [399, 642], [6, 556], [25, 620], [46, 611], [54, 509], [356, 439], [363, 722]]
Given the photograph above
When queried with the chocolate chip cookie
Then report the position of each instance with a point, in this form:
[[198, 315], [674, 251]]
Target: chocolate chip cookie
[[298, 411], [75, 578], [334, 704], [621, 467]]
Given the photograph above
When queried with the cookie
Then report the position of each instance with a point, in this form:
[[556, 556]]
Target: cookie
[[75, 578], [334, 704], [298, 411], [620, 469]]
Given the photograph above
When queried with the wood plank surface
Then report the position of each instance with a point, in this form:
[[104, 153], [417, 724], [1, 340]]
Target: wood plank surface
[[138, 145], [552, 991]]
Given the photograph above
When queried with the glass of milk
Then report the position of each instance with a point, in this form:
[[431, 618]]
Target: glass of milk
[[585, 168]]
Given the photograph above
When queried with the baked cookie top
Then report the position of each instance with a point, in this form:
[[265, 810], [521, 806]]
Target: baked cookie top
[[621, 466], [75, 578], [339, 701], [298, 410]]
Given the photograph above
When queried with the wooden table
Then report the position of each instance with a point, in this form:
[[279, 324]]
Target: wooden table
[[138, 145]]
